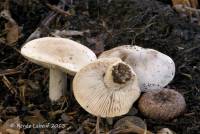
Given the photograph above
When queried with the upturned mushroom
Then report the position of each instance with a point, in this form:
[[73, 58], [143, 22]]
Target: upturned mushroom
[[154, 69], [106, 87], [60, 56], [162, 105]]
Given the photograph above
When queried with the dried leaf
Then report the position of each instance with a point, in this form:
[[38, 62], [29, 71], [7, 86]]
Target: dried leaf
[[181, 2], [35, 118], [53, 114], [11, 27], [66, 118], [11, 126], [187, 7], [12, 32], [98, 43], [2, 40], [194, 3], [28, 89]]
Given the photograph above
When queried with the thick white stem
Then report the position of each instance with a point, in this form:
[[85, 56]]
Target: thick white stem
[[57, 84]]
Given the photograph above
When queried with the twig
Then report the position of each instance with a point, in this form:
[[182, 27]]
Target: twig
[[191, 49], [58, 10], [79, 130], [64, 33], [8, 84], [9, 72], [34, 71], [97, 125]]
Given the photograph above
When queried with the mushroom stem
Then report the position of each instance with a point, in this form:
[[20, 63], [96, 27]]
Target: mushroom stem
[[57, 84], [118, 74], [97, 125]]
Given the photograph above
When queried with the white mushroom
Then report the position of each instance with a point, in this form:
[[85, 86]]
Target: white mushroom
[[106, 88], [154, 69], [59, 55]]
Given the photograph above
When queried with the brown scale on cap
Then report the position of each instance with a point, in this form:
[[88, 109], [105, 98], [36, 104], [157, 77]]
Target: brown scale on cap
[[162, 105], [121, 73]]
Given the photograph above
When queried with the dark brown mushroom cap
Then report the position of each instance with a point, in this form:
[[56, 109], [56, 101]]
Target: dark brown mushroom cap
[[165, 104]]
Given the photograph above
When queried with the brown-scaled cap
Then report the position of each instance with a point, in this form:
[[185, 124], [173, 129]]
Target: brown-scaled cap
[[106, 87], [154, 69], [59, 55], [165, 104]]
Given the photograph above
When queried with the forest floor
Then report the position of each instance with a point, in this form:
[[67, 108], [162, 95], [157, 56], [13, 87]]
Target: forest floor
[[100, 25]]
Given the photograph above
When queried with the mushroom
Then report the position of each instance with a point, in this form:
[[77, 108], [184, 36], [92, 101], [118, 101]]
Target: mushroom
[[154, 69], [165, 131], [162, 105], [130, 124], [60, 56], [106, 88]]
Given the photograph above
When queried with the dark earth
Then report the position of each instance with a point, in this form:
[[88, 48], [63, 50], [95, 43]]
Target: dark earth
[[105, 24]]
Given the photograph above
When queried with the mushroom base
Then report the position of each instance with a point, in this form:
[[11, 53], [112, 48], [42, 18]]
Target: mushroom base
[[121, 73], [57, 84]]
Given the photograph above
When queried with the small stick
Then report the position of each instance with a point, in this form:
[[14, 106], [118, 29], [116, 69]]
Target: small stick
[[9, 85], [9, 72], [97, 125], [58, 10]]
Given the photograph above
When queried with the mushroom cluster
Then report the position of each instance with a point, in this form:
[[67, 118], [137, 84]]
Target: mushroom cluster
[[108, 86], [154, 71]]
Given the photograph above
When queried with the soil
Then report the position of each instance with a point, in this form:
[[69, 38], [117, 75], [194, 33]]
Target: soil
[[106, 24]]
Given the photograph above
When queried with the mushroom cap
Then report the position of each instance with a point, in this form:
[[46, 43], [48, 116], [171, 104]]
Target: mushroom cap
[[162, 105], [64, 54], [99, 99], [122, 123], [154, 69], [165, 131]]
